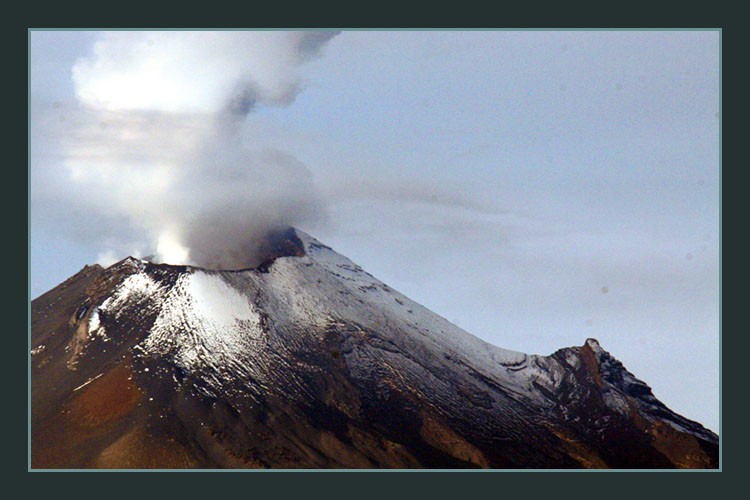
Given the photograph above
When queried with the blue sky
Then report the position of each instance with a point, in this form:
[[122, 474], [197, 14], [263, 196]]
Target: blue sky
[[536, 188]]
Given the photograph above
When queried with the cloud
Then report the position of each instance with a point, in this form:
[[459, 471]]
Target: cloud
[[409, 191], [153, 156], [194, 71]]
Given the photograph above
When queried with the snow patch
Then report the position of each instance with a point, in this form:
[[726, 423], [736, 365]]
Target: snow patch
[[218, 303], [94, 323], [205, 324], [616, 401], [135, 290], [355, 295], [95, 328]]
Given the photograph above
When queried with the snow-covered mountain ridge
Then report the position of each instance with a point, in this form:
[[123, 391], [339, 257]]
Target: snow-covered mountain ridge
[[309, 361]]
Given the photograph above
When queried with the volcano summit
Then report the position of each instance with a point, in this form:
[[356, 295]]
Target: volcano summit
[[307, 361]]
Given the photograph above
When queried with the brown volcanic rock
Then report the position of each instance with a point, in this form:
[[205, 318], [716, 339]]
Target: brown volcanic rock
[[309, 362]]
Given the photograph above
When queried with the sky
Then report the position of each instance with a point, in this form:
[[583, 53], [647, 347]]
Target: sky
[[536, 188]]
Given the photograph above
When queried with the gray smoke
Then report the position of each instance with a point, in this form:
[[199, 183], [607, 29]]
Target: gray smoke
[[157, 140]]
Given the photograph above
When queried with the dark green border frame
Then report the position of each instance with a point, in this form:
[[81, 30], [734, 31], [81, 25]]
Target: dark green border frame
[[560, 15]]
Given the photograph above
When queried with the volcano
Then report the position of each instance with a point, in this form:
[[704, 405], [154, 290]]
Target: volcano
[[307, 361]]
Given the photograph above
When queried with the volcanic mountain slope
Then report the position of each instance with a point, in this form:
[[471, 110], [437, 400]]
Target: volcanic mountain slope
[[307, 361]]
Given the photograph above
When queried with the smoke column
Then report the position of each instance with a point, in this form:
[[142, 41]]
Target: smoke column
[[157, 142]]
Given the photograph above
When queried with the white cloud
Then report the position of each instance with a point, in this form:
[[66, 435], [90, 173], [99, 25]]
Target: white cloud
[[193, 71], [154, 151]]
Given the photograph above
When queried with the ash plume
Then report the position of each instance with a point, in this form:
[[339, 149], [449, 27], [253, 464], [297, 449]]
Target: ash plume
[[155, 141]]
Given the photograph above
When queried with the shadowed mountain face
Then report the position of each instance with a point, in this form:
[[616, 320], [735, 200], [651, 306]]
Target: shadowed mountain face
[[307, 361]]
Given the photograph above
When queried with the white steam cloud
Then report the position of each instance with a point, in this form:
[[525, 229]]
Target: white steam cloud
[[157, 142], [200, 71]]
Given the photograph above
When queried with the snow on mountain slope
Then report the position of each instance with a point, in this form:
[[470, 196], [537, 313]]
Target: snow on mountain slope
[[206, 318], [311, 339]]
